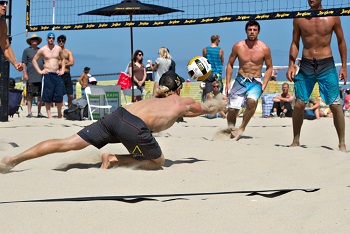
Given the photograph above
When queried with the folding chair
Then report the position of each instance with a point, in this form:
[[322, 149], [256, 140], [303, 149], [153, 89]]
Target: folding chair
[[128, 93], [14, 101], [96, 91]]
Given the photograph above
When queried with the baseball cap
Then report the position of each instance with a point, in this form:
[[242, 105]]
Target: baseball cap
[[86, 68], [92, 80], [171, 80], [51, 34]]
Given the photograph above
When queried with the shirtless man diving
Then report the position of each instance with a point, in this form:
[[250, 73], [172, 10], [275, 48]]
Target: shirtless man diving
[[131, 125], [251, 54], [317, 65]]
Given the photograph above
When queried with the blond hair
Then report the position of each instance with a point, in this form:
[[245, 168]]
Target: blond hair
[[164, 53]]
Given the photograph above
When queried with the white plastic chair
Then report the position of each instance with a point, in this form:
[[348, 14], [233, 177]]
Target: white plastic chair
[[96, 91]]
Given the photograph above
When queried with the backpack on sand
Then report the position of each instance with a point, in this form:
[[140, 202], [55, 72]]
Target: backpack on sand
[[77, 111]]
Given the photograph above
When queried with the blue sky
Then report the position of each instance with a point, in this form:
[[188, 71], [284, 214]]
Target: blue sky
[[108, 50]]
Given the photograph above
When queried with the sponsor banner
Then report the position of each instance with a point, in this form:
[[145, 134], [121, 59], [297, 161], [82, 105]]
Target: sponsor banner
[[178, 22]]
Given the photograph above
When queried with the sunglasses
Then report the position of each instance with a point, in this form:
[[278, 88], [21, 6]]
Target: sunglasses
[[216, 86], [140, 54], [51, 38], [61, 40], [3, 2]]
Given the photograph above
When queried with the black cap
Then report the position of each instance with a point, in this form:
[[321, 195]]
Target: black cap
[[86, 68], [171, 80]]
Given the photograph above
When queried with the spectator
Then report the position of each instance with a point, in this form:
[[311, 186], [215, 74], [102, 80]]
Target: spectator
[[69, 62], [215, 94], [215, 55], [312, 109], [33, 78], [84, 80], [282, 103], [139, 72], [162, 65], [52, 82]]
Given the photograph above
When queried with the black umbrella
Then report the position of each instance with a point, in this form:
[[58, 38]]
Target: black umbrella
[[131, 7]]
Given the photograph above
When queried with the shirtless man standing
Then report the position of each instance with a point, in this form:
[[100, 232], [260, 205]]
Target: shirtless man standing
[[251, 54], [69, 61], [52, 82], [317, 65], [4, 41], [131, 125]]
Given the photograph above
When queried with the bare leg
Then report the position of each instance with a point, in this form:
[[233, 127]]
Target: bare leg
[[29, 104], [110, 160], [39, 104], [339, 123], [248, 114], [232, 117], [48, 109], [74, 142], [317, 113], [59, 109], [298, 118], [70, 99]]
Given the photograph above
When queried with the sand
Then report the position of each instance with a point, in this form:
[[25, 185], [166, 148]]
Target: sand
[[209, 183]]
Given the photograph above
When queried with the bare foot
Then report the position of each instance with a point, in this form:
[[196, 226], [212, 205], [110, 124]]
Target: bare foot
[[108, 160], [295, 144], [342, 147], [236, 134], [5, 165]]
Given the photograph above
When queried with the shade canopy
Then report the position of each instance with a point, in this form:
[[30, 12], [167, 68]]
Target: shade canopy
[[131, 7]]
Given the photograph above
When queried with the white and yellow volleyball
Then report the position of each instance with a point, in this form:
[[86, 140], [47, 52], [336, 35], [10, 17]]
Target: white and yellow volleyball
[[199, 68]]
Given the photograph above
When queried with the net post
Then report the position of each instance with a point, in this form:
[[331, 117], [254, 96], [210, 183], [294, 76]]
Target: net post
[[4, 90]]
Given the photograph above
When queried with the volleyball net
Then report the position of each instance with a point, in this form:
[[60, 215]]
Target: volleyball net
[[42, 15]]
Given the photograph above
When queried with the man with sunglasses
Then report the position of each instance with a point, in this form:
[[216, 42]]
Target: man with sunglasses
[[4, 41], [52, 82], [132, 125], [69, 62]]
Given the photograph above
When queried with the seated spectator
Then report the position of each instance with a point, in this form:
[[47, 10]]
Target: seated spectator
[[312, 109], [282, 103], [215, 94], [324, 110]]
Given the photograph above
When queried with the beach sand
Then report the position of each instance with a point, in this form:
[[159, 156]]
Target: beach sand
[[209, 183]]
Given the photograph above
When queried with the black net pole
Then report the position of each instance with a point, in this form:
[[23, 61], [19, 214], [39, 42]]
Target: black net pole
[[4, 88], [4, 75]]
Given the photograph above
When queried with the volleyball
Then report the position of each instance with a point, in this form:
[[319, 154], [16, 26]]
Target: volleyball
[[198, 68]]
